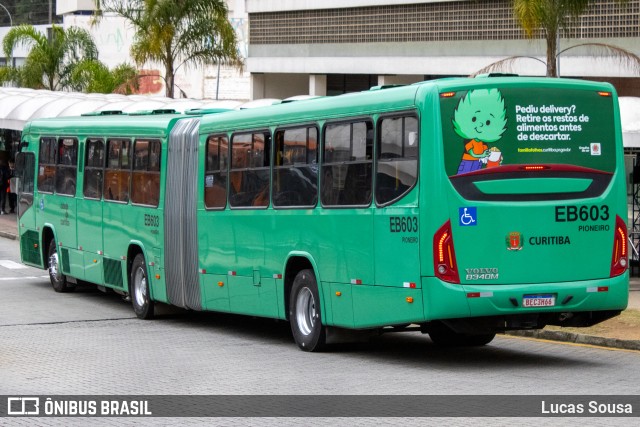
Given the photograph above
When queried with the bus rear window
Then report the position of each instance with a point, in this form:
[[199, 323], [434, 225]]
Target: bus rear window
[[489, 128]]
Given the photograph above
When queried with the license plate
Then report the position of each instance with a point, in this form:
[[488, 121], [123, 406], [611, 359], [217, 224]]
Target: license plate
[[539, 300]]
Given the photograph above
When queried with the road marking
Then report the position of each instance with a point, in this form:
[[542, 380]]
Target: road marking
[[4, 279], [11, 264]]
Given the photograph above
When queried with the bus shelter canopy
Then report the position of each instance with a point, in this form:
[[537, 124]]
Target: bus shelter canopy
[[20, 105], [630, 118]]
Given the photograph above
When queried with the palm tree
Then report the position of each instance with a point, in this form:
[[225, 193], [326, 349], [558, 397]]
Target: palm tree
[[51, 59], [178, 33], [549, 18], [93, 76]]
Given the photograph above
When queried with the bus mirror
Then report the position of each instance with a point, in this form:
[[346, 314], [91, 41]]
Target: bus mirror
[[14, 185]]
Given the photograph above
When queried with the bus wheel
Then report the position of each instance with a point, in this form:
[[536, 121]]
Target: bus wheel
[[444, 336], [304, 312], [139, 288], [58, 280]]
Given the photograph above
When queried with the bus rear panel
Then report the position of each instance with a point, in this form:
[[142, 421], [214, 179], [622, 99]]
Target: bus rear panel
[[533, 230]]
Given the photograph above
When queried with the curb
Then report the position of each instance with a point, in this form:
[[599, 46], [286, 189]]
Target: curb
[[8, 235], [579, 339]]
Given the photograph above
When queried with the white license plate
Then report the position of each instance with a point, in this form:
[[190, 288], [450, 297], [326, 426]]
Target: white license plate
[[538, 300]]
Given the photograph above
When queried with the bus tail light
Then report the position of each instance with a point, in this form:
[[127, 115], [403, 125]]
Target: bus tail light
[[444, 255], [619, 260]]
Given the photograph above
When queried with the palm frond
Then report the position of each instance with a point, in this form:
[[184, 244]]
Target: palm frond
[[506, 65], [623, 57]]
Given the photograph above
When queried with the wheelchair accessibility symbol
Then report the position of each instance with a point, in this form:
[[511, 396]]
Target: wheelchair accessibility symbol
[[468, 216]]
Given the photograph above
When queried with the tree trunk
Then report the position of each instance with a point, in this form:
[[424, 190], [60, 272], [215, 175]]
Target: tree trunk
[[552, 49], [168, 81]]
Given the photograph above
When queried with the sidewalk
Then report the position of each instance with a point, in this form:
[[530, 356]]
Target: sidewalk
[[8, 226], [9, 230]]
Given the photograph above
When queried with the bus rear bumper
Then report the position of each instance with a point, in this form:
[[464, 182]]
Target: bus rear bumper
[[508, 307]]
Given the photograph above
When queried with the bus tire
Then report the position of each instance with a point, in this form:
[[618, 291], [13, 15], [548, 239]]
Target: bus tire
[[58, 279], [143, 306], [304, 313], [444, 336]]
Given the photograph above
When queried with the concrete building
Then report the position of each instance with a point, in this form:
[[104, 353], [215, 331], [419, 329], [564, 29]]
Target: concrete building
[[334, 46], [114, 37]]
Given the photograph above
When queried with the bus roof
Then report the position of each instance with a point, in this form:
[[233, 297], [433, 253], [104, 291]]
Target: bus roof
[[484, 81], [378, 99], [157, 125], [348, 105]]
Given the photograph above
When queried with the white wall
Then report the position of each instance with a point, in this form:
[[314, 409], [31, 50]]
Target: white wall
[[70, 6]]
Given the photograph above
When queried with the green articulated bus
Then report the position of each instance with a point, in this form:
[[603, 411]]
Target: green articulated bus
[[457, 207]]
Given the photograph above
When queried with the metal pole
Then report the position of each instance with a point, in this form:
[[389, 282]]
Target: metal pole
[[218, 81]]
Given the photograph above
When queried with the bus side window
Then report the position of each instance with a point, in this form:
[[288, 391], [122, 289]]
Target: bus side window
[[249, 175], [295, 174], [347, 164], [215, 178], [397, 163], [117, 174], [47, 165], [145, 179], [67, 166], [94, 163]]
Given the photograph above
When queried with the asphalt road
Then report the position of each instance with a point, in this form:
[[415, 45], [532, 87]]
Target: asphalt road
[[90, 343]]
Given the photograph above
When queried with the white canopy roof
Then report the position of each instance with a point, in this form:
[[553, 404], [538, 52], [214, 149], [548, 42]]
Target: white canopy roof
[[20, 105], [630, 119]]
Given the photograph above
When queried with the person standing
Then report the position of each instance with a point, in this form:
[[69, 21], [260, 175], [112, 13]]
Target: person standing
[[11, 191], [4, 185]]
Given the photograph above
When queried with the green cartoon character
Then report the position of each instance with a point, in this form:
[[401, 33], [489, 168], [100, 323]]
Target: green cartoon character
[[480, 118]]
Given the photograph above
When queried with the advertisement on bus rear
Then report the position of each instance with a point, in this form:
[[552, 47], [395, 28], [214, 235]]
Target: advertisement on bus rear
[[489, 128]]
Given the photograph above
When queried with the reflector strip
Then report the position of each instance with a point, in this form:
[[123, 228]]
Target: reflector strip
[[79, 248], [203, 271], [409, 285], [479, 294], [123, 257], [277, 276], [151, 263], [356, 281], [598, 289], [100, 253], [231, 273]]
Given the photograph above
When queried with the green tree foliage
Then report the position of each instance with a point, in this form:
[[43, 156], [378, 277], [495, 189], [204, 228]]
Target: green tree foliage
[[550, 18], [51, 59], [176, 33], [92, 76]]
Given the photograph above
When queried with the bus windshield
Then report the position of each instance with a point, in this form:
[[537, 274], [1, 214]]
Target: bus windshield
[[489, 128]]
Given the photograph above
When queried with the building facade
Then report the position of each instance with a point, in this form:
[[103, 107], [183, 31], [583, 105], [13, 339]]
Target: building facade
[[335, 46]]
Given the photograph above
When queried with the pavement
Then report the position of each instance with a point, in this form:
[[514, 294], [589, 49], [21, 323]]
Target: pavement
[[9, 230]]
